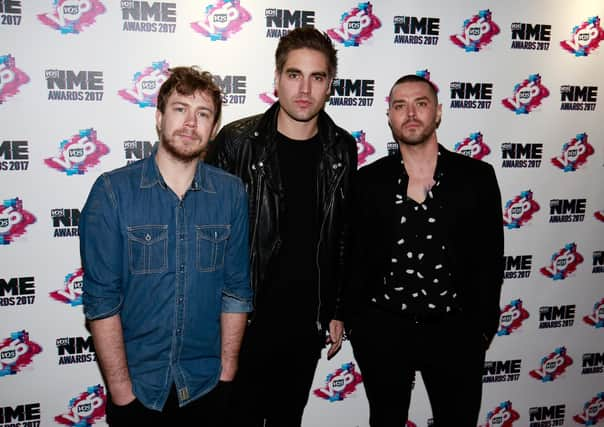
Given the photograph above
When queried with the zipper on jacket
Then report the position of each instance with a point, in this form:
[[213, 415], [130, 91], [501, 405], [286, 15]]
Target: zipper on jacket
[[260, 176]]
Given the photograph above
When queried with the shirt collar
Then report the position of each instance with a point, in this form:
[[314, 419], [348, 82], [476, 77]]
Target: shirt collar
[[151, 176]]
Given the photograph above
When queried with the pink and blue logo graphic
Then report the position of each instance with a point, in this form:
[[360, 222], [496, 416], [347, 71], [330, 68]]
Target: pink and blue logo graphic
[[593, 411], [599, 215], [356, 26], [222, 20], [146, 84], [269, 97], [552, 366], [476, 32], [71, 293], [527, 96], [11, 78], [13, 220], [72, 16], [574, 153], [17, 352], [585, 37], [364, 148], [473, 146], [85, 409], [564, 262], [519, 210], [340, 384], [511, 318], [596, 318], [502, 416], [78, 154]]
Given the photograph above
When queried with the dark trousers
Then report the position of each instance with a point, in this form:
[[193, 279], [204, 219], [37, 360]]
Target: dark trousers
[[274, 378], [449, 354], [207, 411]]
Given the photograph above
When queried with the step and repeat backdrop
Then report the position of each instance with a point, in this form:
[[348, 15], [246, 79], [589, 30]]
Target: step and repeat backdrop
[[521, 86]]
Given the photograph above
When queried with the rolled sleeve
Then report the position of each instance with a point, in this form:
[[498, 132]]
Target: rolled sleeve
[[237, 293], [101, 252]]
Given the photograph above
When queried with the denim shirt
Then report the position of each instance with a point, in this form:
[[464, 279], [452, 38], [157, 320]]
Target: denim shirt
[[169, 268]]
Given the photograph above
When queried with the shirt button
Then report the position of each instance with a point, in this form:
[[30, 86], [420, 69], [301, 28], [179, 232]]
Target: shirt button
[[182, 237], [178, 331], [180, 300], [182, 268]]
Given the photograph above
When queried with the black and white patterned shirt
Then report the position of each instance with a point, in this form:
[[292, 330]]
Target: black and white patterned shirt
[[419, 279]]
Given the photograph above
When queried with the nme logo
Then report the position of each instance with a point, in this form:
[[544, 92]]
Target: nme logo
[[531, 37], [14, 156], [414, 30], [547, 416], [567, 210], [137, 150], [517, 267], [578, 98], [471, 95], [27, 415], [593, 363], [75, 350], [285, 18], [556, 316], [515, 155], [348, 92], [17, 291], [233, 88], [501, 370]]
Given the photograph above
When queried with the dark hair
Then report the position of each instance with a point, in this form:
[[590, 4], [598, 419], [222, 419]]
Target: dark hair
[[414, 78], [187, 81], [309, 38]]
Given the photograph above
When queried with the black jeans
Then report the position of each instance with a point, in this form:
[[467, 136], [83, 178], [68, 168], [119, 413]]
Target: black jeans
[[207, 411], [274, 378], [449, 354]]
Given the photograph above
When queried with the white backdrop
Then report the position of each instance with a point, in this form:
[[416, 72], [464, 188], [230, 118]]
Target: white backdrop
[[520, 84]]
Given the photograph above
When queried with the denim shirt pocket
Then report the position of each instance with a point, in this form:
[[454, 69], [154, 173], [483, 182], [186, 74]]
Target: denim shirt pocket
[[148, 249], [211, 241]]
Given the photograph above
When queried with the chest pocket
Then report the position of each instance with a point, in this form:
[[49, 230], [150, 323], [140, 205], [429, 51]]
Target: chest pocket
[[211, 246], [148, 249]]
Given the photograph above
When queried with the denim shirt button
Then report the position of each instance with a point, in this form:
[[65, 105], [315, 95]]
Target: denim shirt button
[[182, 268]]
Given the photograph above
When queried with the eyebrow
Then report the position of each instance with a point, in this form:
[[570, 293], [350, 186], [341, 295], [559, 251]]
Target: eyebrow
[[421, 98], [186, 104], [314, 73]]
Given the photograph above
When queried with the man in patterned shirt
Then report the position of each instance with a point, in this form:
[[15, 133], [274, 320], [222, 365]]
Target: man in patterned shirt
[[425, 284]]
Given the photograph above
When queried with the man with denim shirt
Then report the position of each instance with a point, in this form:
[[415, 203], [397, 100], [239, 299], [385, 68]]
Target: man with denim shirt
[[164, 246]]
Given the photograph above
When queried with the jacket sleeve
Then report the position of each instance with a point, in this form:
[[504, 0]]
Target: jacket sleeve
[[344, 250], [219, 151], [237, 293], [101, 252], [490, 245]]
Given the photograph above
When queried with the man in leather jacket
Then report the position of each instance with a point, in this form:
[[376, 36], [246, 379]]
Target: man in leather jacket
[[297, 167]]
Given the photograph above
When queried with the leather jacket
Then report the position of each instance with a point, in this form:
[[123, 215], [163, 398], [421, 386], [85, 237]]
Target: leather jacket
[[247, 148]]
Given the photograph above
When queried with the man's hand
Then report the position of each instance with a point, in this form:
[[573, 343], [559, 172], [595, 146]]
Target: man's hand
[[336, 334]]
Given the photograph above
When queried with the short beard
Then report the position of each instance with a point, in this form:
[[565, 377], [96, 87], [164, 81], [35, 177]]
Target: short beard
[[185, 157]]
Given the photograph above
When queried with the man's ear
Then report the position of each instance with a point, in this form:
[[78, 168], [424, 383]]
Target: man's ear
[[158, 117]]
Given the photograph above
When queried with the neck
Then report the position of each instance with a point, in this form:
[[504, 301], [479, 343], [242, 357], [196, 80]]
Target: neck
[[177, 174], [295, 129], [420, 159]]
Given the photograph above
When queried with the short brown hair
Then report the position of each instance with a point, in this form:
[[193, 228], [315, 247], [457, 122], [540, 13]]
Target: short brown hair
[[309, 38], [414, 78], [187, 81]]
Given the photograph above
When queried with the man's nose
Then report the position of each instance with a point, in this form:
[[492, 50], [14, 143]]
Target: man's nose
[[305, 85], [191, 119]]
